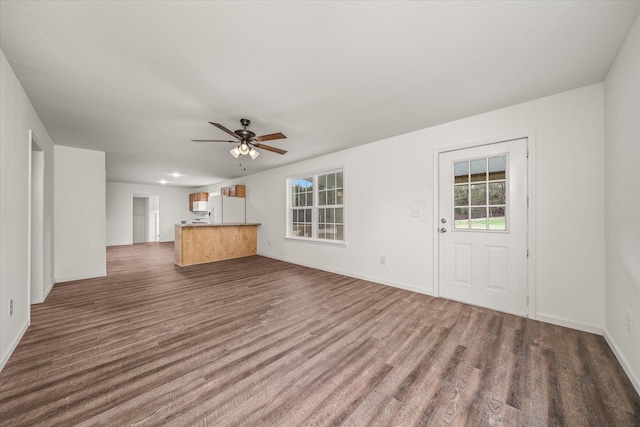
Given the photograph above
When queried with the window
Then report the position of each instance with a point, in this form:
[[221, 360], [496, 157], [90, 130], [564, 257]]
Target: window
[[480, 194], [301, 212], [316, 206]]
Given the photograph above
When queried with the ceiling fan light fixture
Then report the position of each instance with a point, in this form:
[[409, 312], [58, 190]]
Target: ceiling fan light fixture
[[246, 140]]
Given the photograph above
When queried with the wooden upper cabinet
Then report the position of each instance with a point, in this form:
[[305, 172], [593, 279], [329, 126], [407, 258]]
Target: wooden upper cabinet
[[201, 197], [234, 191], [197, 197]]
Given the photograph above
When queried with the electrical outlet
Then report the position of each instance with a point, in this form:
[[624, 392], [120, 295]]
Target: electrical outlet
[[383, 260], [416, 212], [630, 321], [11, 307]]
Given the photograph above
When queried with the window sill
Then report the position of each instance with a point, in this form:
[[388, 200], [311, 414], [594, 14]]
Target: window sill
[[338, 243]]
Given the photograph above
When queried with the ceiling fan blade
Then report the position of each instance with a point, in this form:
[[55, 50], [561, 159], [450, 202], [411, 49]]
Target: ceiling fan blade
[[219, 126], [270, 137], [269, 148], [212, 140]]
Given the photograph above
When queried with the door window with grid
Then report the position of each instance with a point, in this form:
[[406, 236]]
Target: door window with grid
[[480, 194]]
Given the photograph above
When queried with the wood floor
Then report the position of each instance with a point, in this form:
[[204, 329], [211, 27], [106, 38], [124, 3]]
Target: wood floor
[[256, 341]]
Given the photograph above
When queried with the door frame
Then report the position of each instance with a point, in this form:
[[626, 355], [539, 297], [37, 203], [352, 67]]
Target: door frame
[[531, 218], [35, 218], [143, 196]]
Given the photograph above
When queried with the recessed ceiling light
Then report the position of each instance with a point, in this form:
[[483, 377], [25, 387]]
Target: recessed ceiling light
[[163, 181], [175, 174]]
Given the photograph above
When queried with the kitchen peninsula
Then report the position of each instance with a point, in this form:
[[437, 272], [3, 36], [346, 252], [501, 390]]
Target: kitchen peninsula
[[198, 243], [201, 243]]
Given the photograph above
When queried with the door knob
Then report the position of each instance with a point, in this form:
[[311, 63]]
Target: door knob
[[443, 230]]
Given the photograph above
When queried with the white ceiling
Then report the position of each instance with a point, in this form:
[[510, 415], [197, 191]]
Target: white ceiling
[[140, 79]]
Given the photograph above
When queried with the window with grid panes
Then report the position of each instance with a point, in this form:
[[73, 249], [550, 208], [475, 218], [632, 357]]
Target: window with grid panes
[[316, 206], [480, 194], [301, 207]]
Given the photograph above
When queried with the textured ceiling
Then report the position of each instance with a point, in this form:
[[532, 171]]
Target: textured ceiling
[[140, 79]]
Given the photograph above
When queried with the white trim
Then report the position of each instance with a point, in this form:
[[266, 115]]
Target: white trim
[[481, 306], [567, 323], [14, 344], [531, 225], [49, 290], [635, 380], [541, 317], [436, 218], [316, 171], [375, 280], [314, 223], [36, 147], [32, 137], [339, 243], [531, 232], [81, 277], [130, 219]]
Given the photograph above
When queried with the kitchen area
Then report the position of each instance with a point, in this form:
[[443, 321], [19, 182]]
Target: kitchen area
[[219, 229]]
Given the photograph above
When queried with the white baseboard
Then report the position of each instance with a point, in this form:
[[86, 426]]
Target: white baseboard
[[81, 277], [13, 346], [357, 276], [46, 291], [541, 317], [625, 365], [554, 320]]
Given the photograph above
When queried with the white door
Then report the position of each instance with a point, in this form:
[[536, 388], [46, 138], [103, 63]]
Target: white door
[[483, 225], [138, 229]]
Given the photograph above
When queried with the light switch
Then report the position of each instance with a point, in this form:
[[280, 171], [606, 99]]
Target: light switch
[[416, 212]]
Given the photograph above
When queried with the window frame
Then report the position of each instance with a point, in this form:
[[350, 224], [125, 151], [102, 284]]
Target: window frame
[[315, 207], [506, 205]]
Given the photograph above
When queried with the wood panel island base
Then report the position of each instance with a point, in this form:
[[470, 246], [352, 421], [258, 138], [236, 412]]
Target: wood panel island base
[[201, 243]]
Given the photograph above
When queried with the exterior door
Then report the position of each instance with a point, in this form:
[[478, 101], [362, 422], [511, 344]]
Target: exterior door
[[483, 225]]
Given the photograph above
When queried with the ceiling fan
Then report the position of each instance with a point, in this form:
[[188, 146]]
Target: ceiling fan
[[247, 141]]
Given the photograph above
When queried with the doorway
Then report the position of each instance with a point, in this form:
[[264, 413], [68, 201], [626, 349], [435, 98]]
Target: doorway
[[483, 229], [145, 216], [36, 222]]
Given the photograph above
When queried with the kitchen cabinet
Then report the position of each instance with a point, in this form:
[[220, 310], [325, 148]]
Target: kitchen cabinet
[[234, 191], [198, 202]]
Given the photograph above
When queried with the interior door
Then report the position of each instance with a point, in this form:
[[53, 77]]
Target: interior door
[[138, 221], [483, 225]]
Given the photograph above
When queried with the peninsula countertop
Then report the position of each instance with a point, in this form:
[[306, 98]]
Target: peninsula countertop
[[226, 224], [200, 243]]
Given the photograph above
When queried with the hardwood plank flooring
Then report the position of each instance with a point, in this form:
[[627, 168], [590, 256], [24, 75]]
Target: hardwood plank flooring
[[256, 341]]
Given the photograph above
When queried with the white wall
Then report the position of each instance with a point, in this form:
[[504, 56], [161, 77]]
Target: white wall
[[174, 207], [622, 177], [383, 184], [80, 230], [17, 117]]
